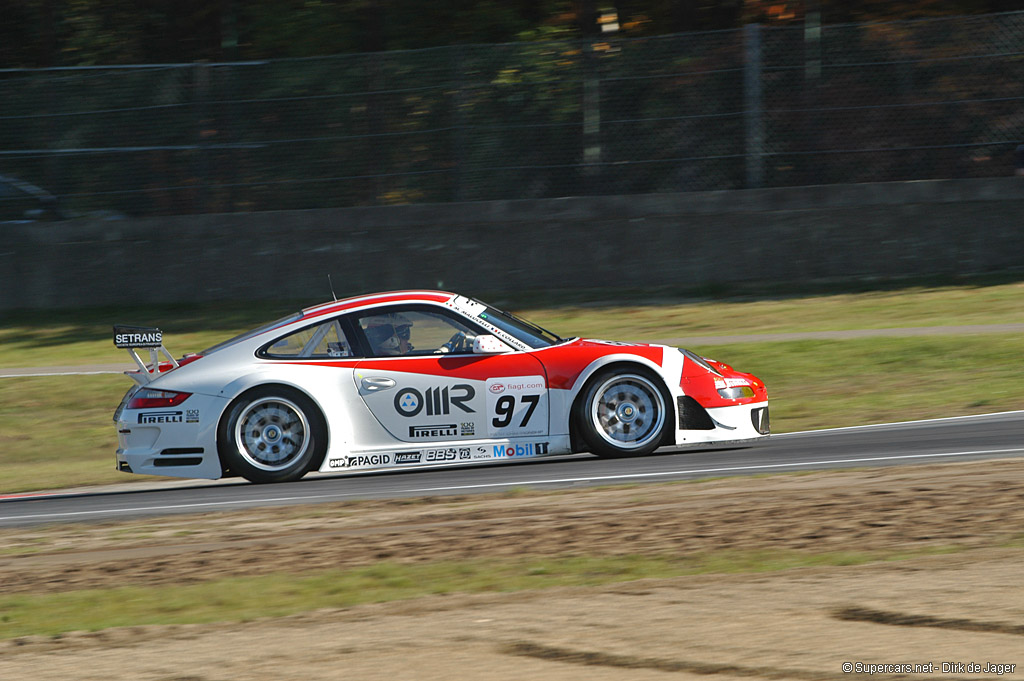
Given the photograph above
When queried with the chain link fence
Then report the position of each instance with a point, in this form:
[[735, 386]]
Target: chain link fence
[[755, 107]]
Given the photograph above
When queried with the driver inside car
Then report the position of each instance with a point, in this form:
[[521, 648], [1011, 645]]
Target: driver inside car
[[389, 334]]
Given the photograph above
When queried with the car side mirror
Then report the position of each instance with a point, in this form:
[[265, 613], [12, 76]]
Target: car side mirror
[[486, 344]]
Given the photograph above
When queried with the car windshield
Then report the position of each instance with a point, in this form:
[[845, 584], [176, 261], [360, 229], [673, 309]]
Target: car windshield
[[255, 332], [527, 332]]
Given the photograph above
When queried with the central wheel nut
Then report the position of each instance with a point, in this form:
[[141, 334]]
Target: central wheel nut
[[626, 412], [272, 434]]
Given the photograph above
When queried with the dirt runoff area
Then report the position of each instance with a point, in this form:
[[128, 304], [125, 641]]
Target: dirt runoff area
[[956, 614]]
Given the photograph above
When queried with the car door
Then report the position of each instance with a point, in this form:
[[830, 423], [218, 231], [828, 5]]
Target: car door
[[424, 388]]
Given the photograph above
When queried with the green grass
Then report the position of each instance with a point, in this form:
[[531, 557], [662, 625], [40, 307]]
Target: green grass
[[71, 337], [52, 614], [56, 431], [812, 384], [821, 384], [650, 319]]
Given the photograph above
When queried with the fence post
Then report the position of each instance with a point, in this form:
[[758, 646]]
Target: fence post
[[457, 60], [591, 120], [202, 161], [753, 114]]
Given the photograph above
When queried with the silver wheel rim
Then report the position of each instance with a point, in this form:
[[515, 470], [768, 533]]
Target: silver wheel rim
[[628, 411], [272, 433]]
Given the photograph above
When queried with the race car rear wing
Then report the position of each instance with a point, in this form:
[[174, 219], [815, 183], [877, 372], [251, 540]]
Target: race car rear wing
[[135, 338]]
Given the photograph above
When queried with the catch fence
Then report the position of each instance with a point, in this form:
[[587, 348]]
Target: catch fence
[[761, 106]]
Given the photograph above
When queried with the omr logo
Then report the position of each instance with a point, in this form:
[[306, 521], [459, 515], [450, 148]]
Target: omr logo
[[410, 401]]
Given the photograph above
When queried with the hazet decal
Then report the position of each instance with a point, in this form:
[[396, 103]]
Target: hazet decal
[[407, 457]]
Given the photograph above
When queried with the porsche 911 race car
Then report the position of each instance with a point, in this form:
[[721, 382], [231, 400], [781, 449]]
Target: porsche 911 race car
[[415, 378]]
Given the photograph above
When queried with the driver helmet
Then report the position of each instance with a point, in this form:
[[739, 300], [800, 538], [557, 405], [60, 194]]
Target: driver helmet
[[389, 334]]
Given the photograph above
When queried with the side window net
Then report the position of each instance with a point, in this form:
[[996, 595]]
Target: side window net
[[410, 332], [323, 341]]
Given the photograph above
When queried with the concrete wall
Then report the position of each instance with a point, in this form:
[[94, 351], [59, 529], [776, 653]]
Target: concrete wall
[[788, 236]]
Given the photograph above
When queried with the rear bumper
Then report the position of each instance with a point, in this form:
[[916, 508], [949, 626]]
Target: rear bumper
[[179, 442]]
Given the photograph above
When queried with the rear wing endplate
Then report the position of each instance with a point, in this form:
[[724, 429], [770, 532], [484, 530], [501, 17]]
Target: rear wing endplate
[[135, 338]]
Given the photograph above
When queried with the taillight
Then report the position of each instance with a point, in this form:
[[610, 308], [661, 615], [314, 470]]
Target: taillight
[[147, 398]]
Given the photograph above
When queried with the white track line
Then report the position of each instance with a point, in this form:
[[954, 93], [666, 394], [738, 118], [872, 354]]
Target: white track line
[[515, 483], [91, 370], [64, 493], [61, 373]]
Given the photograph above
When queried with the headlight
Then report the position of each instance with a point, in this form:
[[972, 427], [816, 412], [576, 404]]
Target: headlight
[[737, 392]]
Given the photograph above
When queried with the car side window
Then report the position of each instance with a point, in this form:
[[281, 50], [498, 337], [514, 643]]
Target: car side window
[[408, 331], [323, 341]]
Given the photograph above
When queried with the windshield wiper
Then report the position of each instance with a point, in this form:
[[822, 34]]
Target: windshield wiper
[[536, 327]]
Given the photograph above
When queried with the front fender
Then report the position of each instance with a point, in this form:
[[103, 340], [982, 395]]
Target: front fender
[[670, 371]]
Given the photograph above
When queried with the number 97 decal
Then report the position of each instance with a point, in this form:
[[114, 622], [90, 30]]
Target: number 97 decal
[[517, 406]]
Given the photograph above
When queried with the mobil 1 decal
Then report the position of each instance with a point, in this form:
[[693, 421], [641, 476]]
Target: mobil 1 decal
[[517, 406]]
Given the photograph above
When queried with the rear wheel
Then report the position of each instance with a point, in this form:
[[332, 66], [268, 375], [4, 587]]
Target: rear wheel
[[622, 414], [272, 434]]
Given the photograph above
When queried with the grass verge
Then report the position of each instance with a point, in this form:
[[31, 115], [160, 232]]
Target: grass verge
[[286, 594], [69, 337], [56, 431]]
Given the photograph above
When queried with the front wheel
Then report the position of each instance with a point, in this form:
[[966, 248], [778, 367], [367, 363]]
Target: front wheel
[[272, 434], [622, 414]]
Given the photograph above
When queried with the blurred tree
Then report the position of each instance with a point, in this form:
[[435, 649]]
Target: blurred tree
[[79, 32], [26, 33]]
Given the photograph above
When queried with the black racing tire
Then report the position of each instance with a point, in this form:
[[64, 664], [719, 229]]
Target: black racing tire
[[623, 412], [272, 434]]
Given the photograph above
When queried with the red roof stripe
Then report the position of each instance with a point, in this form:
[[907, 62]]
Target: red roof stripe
[[376, 299]]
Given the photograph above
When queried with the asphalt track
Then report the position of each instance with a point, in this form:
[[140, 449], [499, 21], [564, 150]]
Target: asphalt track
[[968, 438]]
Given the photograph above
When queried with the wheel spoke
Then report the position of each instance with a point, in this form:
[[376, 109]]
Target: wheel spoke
[[272, 433], [628, 412]]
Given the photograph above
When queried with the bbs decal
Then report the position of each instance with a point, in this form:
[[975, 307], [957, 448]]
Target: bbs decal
[[450, 454]]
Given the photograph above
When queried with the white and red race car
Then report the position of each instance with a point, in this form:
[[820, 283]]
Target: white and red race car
[[416, 378]]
